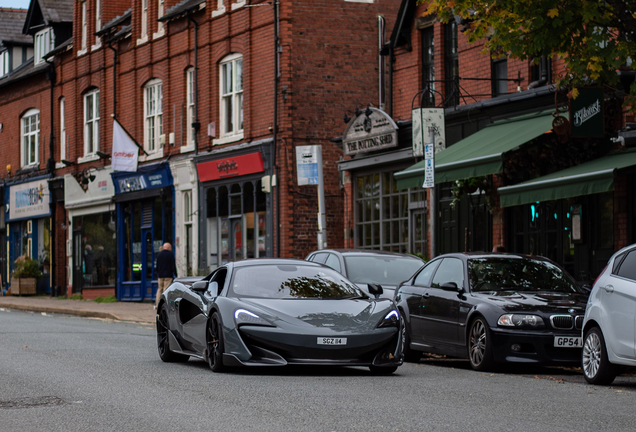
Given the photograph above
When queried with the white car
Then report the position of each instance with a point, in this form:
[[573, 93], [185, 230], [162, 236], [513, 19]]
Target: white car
[[609, 326]]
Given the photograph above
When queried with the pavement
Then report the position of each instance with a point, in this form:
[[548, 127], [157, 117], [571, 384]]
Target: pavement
[[138, 312]]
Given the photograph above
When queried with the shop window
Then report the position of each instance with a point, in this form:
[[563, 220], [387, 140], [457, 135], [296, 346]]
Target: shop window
[[606, 225], [153, 115], [382, 213], [95, 256], [30, 133], [236, 221]]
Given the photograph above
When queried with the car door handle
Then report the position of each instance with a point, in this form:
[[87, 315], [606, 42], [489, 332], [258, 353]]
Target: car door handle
[[608, 288]]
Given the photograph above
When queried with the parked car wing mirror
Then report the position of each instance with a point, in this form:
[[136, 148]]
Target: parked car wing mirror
[[375, 289], [450, 286], [200, 286]]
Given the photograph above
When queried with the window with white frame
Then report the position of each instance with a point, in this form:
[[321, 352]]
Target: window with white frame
[[188, 230], [153, 113], [190, 104], [30, 136], [4, 63], [98, 23], [44, 42], [231, 92], [62, 130], [91, 122], [84, 27], [160, 10], [144, 19], [220, 8]]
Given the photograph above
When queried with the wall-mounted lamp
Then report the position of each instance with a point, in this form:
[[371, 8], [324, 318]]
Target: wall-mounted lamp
[[9, 169]]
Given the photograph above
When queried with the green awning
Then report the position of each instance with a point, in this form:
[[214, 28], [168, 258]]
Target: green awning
[[588, 178], [480, 153]]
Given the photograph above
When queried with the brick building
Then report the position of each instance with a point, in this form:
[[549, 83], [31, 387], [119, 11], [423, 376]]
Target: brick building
[[217, 95], [506, 172]]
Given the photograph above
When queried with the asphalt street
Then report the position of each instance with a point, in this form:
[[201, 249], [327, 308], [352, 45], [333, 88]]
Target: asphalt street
[[67, 373]]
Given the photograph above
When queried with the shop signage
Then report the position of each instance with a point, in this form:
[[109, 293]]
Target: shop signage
[[371, 130], [307, 159], [587, 113], [141, 181], [230, 167], [29, 200], [100, 189], [423, 120]]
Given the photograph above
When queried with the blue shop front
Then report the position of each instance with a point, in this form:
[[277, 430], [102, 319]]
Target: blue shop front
[[28, 229], [145, 221]]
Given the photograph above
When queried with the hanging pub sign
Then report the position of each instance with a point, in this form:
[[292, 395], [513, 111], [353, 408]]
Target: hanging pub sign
[[370, 130], [423, 119], [586, 113]]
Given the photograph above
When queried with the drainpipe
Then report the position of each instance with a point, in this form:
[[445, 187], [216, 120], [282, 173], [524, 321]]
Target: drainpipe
[[274, 128], [110, 45], [195, 125], [381, 64], [51, 168]]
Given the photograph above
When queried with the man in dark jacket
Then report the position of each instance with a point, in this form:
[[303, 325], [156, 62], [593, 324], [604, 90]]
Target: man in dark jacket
[[166, 270]]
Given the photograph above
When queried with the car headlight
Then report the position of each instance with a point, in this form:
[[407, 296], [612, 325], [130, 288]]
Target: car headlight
[[243, 316], [519, 320], [392, 319]]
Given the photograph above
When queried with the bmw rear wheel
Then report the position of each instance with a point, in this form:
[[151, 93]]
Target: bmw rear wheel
[[215, 344], [596, 367], [480, 346], [163, 343]]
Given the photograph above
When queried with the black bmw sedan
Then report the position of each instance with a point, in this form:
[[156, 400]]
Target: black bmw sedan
[[493, 307]]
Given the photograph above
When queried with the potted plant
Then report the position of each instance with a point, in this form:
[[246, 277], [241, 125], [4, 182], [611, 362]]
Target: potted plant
[[24, 278]]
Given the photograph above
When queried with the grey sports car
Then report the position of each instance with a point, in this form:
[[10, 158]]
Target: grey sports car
[[275, 312]]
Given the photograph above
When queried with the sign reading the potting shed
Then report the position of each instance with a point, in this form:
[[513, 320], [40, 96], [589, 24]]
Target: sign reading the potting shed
[[372, 129]]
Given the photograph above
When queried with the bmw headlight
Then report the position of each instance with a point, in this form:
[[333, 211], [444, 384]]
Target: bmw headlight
[[392, 319], [243, 316], [520, 320]]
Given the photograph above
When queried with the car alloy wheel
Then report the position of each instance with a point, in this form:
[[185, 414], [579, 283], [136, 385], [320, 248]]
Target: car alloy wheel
[[479, 346], [596, 367], [163, 343], [409, 355], [215, 344]]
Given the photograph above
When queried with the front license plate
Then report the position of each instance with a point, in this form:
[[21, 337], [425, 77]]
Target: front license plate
[[568, 342], [332, 341]]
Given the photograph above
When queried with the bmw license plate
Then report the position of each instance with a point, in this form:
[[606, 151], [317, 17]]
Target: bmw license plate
[[332, 341], [568, 342]]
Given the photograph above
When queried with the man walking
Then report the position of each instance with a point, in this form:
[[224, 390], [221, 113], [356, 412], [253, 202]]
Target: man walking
[[166, 270]]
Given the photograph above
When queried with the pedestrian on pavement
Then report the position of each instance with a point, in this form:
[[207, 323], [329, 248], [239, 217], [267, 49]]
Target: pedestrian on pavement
[[166, 270]]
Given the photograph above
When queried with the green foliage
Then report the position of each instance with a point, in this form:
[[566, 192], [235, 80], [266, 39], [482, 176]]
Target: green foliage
[[471, 185], [26, 267], [594, 38], [419, 255], [107, 299], [75, 297]]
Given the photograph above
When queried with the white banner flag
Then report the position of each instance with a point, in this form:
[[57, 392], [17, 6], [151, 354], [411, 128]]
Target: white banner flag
[[125, 151]]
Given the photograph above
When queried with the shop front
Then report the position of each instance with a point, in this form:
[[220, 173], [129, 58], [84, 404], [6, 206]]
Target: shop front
[[145, 221], [236, 218], [28, 229], [377, 214], [91, 233]]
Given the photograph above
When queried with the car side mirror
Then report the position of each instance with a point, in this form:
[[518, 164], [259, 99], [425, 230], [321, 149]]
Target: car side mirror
[[375, 289], [450, 286], [200, 286]]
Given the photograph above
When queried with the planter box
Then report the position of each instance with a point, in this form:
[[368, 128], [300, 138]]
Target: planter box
[[23, 286]]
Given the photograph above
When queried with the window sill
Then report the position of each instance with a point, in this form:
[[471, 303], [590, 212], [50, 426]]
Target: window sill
[[238, 5], [218, 12], [59, 165], [87, 158], [185, 149], [81, 52], [151, 156], [159, 34], [96, 47], [143, 40], [228, 139]]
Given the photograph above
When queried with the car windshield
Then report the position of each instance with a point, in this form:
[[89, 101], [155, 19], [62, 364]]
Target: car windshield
[[292, 281], [384, 270], [501, 274]]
